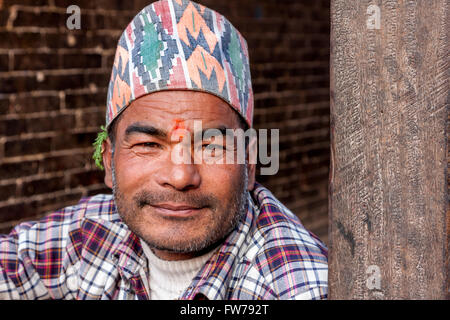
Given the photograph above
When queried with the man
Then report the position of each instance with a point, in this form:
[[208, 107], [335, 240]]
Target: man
[[189, 229]]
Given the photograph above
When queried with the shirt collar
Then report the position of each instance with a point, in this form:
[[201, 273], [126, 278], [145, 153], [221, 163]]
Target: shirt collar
[[128, 255], [214, 278]]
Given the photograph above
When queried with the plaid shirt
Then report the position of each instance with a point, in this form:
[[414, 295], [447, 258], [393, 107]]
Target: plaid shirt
[[86, 252]]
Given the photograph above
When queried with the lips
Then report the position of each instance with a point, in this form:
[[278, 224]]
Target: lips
[[172, 209]]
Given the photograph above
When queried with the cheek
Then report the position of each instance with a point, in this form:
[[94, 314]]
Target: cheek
[[221, 179], [133, 173]]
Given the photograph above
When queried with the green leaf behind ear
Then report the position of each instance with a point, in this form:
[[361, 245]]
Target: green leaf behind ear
[[97, 156]]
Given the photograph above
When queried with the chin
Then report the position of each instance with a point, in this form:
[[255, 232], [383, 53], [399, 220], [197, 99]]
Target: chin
[[181, 240]]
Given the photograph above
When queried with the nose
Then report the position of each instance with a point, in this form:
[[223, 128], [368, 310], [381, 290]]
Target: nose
[[181, 177]]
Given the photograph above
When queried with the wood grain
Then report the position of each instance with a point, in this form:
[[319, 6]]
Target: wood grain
[[388, 174]]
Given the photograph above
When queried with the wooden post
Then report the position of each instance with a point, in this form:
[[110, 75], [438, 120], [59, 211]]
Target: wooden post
[[388, 182]]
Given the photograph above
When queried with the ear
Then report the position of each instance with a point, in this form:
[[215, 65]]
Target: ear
[[251, 169], [251, 162], [107, 161]]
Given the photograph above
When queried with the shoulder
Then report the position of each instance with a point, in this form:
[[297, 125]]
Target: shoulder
[[290, 258], [44, 254], [54, 228]]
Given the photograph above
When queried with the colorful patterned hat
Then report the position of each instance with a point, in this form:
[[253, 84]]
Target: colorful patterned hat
[[180, 44]]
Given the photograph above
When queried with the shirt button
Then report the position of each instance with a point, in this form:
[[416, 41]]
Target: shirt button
[[72, 280]]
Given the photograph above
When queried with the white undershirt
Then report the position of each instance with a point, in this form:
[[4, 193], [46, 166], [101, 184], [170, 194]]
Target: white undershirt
[[168, 279]]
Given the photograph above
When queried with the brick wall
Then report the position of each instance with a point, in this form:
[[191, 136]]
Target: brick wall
[[53, 90]]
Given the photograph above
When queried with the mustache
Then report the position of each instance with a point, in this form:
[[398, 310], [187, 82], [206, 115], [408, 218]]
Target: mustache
[[144, 198]]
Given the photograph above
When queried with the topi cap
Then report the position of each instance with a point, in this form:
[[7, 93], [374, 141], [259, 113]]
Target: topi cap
[[180, 44]]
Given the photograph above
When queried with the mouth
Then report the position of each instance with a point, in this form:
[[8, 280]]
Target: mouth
[[176, 209]]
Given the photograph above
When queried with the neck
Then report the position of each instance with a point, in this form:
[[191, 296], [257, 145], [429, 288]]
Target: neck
[[168, 279]]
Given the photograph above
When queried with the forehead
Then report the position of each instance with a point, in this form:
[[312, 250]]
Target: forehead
[[166, 108]]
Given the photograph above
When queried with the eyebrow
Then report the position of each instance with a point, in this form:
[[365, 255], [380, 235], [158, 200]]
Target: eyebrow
[[146, 129], [221, 129], [153, 131]]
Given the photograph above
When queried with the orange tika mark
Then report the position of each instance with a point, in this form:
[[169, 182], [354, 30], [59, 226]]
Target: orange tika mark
[[178, 130]]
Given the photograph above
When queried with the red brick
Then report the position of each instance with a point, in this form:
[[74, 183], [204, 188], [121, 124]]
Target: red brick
[[63, 82], [7, 191], [86, 178], [100, 79], [86, 100], [317, 97], [40, 19], [71, 141], [266, 102], [10, 127], [36, 3], [30, 209], [104, 41], [13, 212], [36, 61], [4, 106], [27, 146], [275, 72], [260, 87], [20, 40], [6, 228], [110, 61], [61, 39], [315, 166], [302, 114], [92, 119], [4, 15], [13, 84], [88, 4], [30, 104], [119, 22], [42, 186], [98, 190], [301, 83], [318, 152], [33, 125], [50, 82], [63, 163], [56, 202], [4, 62], [81, 61], [16, 170]]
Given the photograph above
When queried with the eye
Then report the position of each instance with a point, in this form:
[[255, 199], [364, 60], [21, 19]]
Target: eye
[[212, 146], [148, 145]]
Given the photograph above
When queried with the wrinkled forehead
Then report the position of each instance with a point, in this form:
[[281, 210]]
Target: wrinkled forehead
[[174, 110]]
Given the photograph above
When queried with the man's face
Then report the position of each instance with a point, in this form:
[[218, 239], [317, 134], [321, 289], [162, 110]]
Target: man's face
[[179, 209]]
